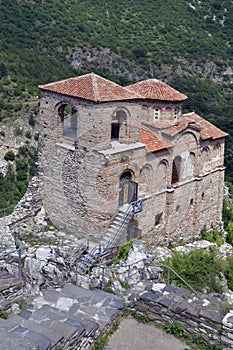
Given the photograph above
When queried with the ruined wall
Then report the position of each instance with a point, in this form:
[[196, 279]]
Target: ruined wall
[[198, 314]]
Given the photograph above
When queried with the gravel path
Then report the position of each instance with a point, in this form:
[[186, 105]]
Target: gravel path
[[132, 335]]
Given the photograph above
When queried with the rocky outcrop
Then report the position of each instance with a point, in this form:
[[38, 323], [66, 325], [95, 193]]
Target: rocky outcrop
[[85, 58]]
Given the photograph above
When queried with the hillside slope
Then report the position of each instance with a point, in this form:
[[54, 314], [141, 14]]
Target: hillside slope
[[185, 43]]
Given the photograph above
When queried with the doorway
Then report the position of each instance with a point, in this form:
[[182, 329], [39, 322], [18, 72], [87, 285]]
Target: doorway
[[128, 189]]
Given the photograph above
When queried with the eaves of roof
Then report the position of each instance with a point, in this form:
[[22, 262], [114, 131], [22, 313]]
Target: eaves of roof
[[91, 87]]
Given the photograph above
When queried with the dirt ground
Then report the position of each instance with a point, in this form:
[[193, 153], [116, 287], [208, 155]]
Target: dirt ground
[[132, 335]]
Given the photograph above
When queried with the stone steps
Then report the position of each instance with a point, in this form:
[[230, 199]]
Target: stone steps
[[69, 318], [112, 229]]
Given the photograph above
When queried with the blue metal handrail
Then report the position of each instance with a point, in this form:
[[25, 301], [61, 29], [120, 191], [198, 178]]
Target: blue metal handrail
[[133, 209], [150, 261], [99, 250]]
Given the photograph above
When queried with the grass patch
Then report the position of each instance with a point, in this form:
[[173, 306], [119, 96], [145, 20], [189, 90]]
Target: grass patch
[[3, 314], [22, 304], [100, 343], [141, 318], [35, 241], [196, 341], [123, 252]]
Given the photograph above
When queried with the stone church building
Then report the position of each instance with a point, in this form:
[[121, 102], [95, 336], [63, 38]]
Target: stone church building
[[103, 146]]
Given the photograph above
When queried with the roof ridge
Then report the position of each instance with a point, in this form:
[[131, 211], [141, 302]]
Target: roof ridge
[[95, 87]]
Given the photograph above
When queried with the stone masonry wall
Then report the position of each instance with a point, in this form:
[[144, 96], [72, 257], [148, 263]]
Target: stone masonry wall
[[82, 177], [198, 313]]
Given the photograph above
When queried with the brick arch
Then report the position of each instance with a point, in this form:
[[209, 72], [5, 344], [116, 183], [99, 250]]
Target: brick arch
[[217, 149], [205, 159], [161, 175], [189, 140], [145, 179], [69, 119], [120, 124], [128, 189], [192, 164], [176, 170]]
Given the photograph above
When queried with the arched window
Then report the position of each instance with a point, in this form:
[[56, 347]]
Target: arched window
[[176, 167], [69, 119], [119, 127]]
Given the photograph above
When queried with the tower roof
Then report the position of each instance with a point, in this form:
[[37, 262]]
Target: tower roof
[[91, 87], [156, 90]]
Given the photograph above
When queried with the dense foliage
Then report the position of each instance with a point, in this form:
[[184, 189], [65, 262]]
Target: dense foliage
[[199, 268], [20, 169], [188, 44]]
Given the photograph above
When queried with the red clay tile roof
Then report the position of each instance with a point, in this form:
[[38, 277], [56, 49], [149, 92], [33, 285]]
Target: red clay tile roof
[[190, 120], [91, 87], [181, 126], [208, 130], [152, 142], [157, 90]]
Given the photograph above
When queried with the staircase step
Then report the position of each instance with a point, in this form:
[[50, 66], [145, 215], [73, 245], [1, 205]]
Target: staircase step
[[68, 317], [11, 341], [84, 304], [14, 335], [49, 323], [85, 325]]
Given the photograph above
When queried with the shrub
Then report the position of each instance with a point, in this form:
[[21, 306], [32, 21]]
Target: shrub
[[9, 156], [229, 229], [227, 213], [212, 235], [3, 314], [198, 268], [28, 134], [228, 271], [31, 121]]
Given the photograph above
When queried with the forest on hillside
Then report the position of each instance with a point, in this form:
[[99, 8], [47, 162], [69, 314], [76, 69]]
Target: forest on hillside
[[187, 44]]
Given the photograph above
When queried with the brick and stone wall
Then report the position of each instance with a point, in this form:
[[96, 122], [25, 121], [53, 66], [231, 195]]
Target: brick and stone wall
[[82, 176]]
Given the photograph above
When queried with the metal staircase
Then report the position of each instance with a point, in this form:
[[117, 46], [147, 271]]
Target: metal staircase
[[101, 250]]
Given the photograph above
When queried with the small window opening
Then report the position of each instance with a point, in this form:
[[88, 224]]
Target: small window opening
[[69, 120], [191, 201], [176, 170], [157, 113], [158, 219], [119, 127], [177, 208], [176, 112], [202, 195]]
